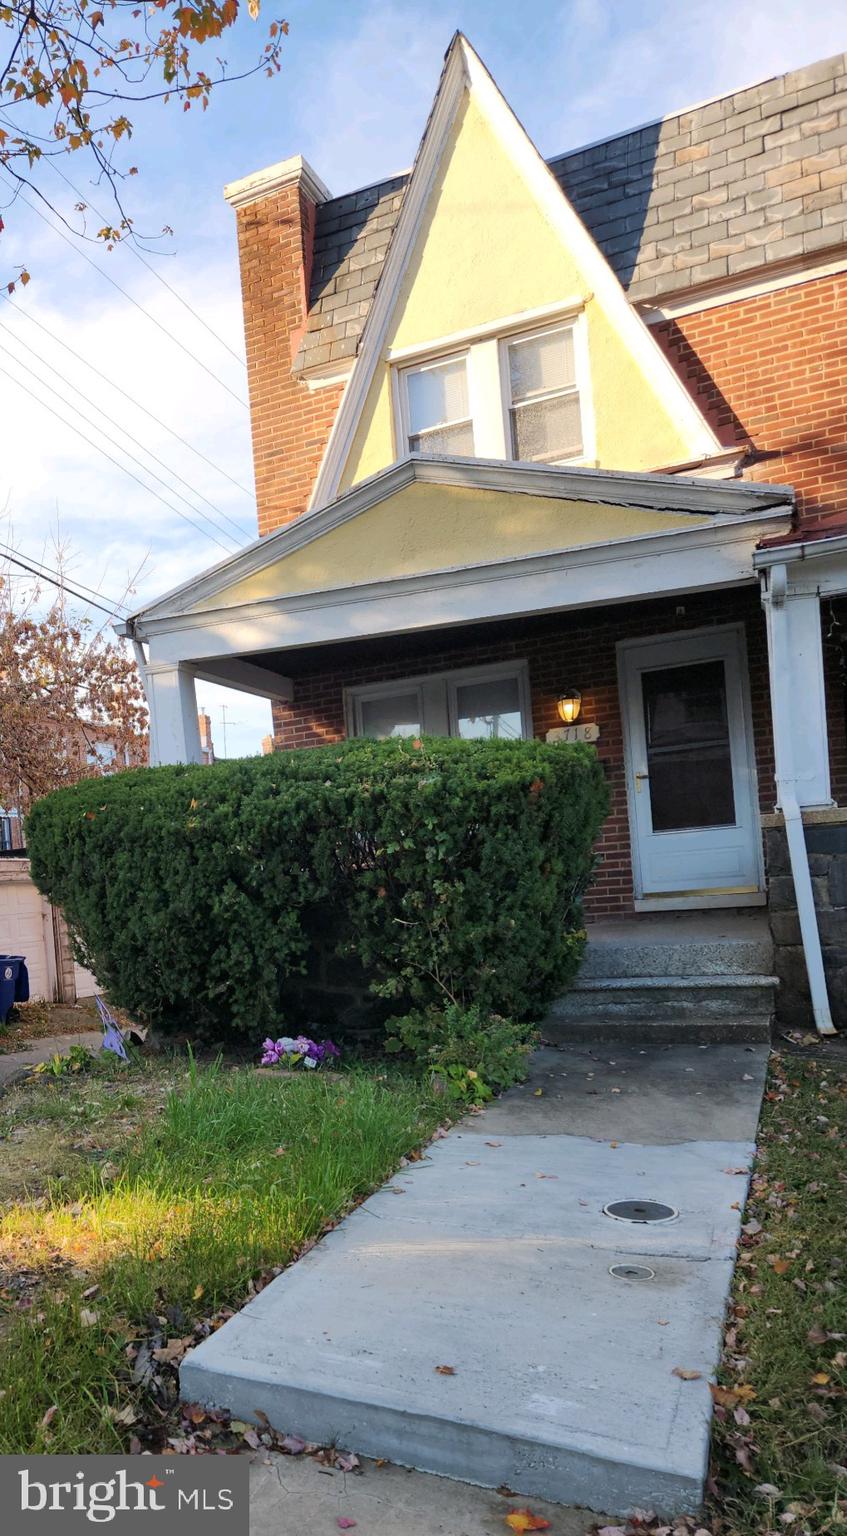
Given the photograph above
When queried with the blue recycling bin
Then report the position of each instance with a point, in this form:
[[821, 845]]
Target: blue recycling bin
[[14, 983]]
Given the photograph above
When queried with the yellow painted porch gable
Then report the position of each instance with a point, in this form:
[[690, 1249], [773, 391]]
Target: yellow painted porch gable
[[426, 527], [487, 249]]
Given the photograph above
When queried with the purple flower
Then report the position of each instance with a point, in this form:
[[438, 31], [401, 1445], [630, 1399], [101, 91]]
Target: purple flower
[[312, 1053]]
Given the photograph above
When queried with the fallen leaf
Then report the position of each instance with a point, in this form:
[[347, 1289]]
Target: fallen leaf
[[344, 1524], [524, 1520], [293, 1445], [781, 1266], [769, 1489], [49, 1416], [686, 1375], [252, 1439], [87, 1317], [663, 1321], [445, 1370], [494, 1143], [198, 1292], [92, 1291], [538, 1093], [820, 1379], [613, 1144], [347, 1461], [612, 1530]]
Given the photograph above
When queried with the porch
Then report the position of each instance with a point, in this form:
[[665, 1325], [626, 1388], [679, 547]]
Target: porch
[[465, 597]]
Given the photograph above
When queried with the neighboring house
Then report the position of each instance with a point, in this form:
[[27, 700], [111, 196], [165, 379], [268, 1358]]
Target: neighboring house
[[207, 746], [524, 430]]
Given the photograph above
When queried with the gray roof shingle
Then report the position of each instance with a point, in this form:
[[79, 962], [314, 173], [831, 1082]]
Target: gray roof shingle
[[756, 178]]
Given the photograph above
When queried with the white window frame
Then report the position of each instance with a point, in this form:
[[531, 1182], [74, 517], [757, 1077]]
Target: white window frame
[[489, 386], [354, 698], [437, 696], [578, 388], [402, 395]]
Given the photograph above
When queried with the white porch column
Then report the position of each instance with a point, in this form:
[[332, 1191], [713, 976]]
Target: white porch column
[[172, 700], [798, 699]]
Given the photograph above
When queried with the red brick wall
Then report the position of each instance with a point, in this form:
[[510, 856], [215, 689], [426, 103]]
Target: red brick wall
[[576, 650], [771, 371], [290, 422]]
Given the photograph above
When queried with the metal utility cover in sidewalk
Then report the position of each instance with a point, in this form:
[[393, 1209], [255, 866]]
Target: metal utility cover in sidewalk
[[493, 1257]]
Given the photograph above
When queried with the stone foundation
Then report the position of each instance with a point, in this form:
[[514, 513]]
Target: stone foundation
[[826, 842]]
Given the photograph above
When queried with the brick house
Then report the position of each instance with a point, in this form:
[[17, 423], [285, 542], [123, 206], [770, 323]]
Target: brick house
[[525, 431]]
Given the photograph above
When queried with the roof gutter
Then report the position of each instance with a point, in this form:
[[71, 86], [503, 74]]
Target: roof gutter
[[803, 549]]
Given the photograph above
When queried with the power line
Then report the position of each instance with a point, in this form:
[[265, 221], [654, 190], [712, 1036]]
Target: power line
[[49, 571], [131, 398], [152, 318], [154, 456], [116, 462], [121, 449], [57, 580], [124, 245]]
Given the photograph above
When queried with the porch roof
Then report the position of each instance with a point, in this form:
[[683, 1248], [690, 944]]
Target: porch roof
[[437, 542]]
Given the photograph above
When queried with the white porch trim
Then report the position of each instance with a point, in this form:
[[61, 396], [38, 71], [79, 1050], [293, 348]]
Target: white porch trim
[[707, 556], [621, 488], [794, 578], [172, 701]]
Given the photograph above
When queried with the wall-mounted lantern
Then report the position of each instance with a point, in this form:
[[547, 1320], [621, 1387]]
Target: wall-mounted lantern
[[569, 705]]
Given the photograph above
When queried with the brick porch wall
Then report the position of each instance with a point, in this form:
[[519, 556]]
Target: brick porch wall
[[576, 650]]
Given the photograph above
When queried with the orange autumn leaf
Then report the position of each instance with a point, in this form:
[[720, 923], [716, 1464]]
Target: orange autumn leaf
[[524, 1520]]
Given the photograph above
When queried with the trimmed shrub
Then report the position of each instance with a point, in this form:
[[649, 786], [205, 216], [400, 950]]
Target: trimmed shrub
[[453, 871]]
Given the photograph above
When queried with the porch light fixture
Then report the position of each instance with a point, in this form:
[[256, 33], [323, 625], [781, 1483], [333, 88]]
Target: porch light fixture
[[569, 705]]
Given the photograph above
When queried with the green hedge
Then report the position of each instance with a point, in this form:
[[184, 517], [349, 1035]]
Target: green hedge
[[453, 869]]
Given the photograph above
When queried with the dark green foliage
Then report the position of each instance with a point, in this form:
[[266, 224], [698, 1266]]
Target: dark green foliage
[[453, 869], [468, 1053]]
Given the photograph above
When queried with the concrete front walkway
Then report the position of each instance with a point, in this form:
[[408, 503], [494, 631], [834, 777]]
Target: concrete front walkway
[[494, 1257], [17, 1064], [291, 1494]]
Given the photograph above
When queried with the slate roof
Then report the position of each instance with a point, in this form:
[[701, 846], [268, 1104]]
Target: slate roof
[[753, 179]]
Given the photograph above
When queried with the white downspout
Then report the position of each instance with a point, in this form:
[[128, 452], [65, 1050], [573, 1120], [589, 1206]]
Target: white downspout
[[798, 857]]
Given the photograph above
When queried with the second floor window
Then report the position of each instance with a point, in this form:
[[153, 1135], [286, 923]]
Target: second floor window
[[439, 413], [544, 414], [516, 397]]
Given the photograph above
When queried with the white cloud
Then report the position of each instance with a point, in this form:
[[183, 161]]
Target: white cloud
[[608, 67]]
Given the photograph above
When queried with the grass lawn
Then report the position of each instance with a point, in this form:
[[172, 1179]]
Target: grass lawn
[[139, 1204], [780, 1439]]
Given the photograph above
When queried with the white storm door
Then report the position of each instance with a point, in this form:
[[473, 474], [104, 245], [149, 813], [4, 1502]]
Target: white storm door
[[691, 778]]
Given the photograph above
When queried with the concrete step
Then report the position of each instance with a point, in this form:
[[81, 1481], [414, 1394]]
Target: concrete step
[[647, 1029], [650, 956], [667, 996]]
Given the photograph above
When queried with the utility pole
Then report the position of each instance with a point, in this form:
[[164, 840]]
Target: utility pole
[[224, 722]]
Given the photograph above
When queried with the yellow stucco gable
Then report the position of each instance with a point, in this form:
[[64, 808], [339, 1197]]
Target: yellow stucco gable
[[425, 527], [486, 249]]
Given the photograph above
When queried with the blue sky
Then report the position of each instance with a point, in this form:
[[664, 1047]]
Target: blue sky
[[356, 85]]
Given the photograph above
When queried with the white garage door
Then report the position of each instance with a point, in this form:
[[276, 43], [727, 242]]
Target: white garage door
[[23, 929]]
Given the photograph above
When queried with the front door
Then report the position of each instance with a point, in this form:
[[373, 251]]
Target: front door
[[691, 777]]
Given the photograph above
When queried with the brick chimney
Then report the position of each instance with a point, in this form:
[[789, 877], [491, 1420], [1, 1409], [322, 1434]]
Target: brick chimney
[[275, 214]]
